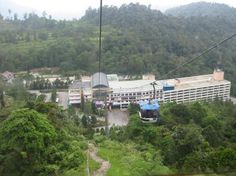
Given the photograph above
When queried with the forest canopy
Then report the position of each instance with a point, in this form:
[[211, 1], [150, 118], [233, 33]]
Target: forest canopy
[[136, 40]]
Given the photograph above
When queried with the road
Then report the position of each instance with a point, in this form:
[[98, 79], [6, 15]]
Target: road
[[63, 99], [117, 117]]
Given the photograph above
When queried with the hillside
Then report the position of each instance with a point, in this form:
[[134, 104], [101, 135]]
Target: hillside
[[203, 9], [136, 40], [40, 138]]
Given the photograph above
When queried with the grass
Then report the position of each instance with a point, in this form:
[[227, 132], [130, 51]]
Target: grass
[[126, 160], [25, 46], [222, 174], [82, 170], [22, 45]]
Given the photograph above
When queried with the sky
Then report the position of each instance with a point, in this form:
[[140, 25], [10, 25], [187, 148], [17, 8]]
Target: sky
[[69, 9]]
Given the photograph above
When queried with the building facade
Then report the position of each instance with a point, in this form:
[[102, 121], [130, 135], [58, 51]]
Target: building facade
[[180, 90]]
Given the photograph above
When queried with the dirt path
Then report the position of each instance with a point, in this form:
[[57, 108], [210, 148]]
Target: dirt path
[[105, 165]]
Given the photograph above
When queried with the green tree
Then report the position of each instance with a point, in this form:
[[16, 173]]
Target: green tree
[[212, 136], [197, 112], [187, 140], [26, 134], [133, 108], [84, 121], [2, 101], [41, 98], [222, 159], [93, 120], [88, 108], [181, 113]]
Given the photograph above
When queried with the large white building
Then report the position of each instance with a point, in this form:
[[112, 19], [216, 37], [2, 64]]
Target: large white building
[[180, 90]]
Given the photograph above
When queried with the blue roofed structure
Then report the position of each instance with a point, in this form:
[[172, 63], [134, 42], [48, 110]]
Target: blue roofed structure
[[149, 105]]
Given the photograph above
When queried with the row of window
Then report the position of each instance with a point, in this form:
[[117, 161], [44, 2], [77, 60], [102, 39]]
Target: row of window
[[197, 97], [194, 99], [133, 94], [200, 93]]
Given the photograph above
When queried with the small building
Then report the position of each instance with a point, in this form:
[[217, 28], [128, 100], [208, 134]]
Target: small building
[[100, 86], [99, 80], [78, 89], [8, 76], [90, 88]]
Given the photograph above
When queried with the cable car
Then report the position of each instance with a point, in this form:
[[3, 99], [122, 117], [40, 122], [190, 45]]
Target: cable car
[[149, 111], [99, 104]]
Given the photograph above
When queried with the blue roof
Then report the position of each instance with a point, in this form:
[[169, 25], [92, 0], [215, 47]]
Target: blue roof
[[152, 105]]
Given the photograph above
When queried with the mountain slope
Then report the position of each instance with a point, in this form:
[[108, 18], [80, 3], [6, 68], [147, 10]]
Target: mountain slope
[[203, 9], [147, 40], [136, 40]]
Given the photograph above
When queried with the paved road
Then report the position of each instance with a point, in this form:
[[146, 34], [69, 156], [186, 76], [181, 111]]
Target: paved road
[[117, 117], [233, 100], [63, 99]]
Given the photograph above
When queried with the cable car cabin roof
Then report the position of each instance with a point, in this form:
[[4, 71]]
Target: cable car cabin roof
[[152, 105], [101, 82]]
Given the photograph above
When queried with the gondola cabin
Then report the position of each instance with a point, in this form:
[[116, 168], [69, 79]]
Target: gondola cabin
[[149, 111], [99, 104]]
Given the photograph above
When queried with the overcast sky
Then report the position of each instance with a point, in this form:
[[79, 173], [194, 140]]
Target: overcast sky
[[68, 9]]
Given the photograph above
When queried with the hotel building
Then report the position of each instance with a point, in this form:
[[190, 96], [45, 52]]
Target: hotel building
[[179, 90]]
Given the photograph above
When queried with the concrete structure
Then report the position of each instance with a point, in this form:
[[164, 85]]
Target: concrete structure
[[180, 90], [78, 89]]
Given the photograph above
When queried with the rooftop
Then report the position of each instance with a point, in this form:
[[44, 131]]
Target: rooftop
[[179, 83], [195, 81], [78, 84], [144, 85], [132, 86], [99, 80]]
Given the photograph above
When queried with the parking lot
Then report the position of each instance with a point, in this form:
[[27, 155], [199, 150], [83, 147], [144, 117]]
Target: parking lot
[[117, 117]]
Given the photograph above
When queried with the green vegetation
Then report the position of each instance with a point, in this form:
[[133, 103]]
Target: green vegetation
[[82, 170], [39, 138], [203, 9], [136, 40], [40, 84], [126, 159], [193, 138]]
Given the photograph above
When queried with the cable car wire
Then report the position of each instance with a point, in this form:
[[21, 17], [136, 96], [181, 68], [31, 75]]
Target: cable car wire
[[100, 47], [216, 45]]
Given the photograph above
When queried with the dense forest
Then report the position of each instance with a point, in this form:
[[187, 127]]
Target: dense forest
[[203, 9], [136, 40]]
